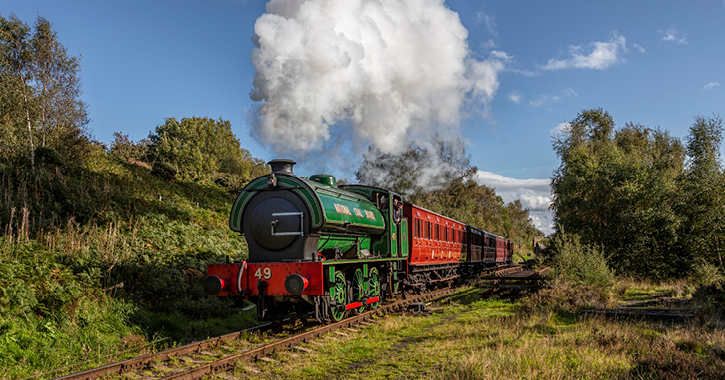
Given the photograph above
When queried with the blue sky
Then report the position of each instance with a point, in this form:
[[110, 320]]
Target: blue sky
[[658, 63]]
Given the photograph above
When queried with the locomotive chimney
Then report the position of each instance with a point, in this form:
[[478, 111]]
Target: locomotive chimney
[[282, 166]]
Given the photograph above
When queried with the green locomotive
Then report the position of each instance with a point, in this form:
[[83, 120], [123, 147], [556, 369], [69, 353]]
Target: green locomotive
[[313, 247]]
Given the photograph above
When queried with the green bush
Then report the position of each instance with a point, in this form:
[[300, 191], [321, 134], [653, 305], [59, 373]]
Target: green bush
[[123, 148], [232, 182], [709, 298], [200, 147], [48, 156], [164, 170], [579, 264], [51, 311]]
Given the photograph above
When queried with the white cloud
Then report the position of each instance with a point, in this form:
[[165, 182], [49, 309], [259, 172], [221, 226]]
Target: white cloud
[[489, 21], [710, 86], [488, 45], [598, 55], [560, 128], [514, 97], [534, 194], [639, 48], [543, 99], [674, 35]]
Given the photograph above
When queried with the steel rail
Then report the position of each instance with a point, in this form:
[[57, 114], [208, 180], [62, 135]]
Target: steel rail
[[143, 361], [230, 362]]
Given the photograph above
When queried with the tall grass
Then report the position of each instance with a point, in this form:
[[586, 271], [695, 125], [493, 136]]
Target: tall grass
[[97, 256]]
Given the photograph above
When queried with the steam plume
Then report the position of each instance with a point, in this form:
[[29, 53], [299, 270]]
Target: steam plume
[[380, 72]]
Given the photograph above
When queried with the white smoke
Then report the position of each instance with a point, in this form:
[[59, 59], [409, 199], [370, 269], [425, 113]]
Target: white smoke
[[380, 72]]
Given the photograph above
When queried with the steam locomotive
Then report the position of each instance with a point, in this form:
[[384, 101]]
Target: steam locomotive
[[327, 250]]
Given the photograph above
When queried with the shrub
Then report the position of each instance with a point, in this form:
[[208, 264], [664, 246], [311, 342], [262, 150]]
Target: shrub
[[48, 156], [232, 182], [163, 170], [199, 147], [127, 150], [578, 263], [706, 274], [566, 298]]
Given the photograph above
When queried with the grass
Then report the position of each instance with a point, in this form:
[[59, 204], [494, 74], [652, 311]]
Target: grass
[[488, 338], [107, 259], [630, 290], [107, 262]]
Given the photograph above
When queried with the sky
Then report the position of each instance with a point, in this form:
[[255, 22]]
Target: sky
[[504, 76]]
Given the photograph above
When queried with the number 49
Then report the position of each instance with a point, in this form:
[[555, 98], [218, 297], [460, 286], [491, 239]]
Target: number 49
[[267, 273]]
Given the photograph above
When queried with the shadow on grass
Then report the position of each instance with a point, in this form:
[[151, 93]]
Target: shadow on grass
[[467, 297]]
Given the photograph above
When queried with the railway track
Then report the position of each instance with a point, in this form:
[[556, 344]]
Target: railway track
[[207, 363]]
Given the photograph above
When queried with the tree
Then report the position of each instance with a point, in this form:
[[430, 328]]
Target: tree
[[617, 190], [199, 147], [703, 200], [16, 103], [62, 114], [417, 169], [40, 99]]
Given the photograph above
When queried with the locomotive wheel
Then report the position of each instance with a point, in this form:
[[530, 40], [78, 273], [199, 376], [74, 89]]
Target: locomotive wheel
[[358, 290], [338, 293], [374, 286]]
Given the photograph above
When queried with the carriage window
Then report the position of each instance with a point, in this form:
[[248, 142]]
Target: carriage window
[[427, 230]]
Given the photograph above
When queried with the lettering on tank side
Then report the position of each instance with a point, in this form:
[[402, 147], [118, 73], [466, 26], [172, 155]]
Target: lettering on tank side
[[342, 209]]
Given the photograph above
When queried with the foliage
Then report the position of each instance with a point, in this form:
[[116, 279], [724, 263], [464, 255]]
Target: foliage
[[709, 298], [92, 256], [50, 311], [706, 274], [40, 101], [631, 192], [232, 182], [579, 264], [702, 200], [163, 170], [96, 251], [199, 147], [618, 190], [417, 169], [127, 150], [48, 156]]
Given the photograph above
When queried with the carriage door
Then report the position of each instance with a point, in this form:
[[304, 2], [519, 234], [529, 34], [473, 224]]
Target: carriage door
[[403, 241]]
